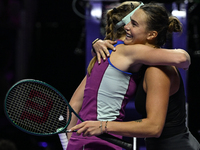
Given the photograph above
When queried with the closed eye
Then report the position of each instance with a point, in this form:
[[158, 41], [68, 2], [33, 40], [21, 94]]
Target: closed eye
[[134, 23]]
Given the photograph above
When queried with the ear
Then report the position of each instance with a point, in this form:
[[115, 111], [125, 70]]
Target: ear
[[152, 35]]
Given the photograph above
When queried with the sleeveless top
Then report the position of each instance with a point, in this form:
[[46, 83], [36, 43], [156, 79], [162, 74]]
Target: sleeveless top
[[176, 114], [106, 94]]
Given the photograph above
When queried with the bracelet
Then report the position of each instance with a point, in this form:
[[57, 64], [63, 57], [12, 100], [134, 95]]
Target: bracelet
[[106, 126], [94, 43], [100, 126]]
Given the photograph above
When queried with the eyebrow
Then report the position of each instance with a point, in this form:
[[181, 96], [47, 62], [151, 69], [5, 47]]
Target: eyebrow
[[133, 21]]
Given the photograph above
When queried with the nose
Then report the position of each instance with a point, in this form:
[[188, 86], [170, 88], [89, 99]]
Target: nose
[[126, 27]]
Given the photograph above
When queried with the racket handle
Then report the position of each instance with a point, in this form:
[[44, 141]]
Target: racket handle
[[63, 140], [116, 141]]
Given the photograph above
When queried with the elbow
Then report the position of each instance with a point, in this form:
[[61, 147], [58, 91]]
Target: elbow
[[156, 132], [184, 59]]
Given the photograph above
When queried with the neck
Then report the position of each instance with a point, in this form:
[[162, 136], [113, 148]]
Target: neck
[[122, 38], [151, 45]]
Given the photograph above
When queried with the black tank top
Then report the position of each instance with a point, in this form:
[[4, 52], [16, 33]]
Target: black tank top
[[176, 114]]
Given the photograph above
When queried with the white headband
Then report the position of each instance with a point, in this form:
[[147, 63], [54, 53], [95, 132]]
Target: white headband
[[127, 18]]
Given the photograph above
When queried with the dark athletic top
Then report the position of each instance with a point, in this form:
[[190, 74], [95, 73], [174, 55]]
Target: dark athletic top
[[176, 114]]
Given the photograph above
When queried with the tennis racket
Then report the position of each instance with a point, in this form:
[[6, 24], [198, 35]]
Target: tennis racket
[[37, 108]]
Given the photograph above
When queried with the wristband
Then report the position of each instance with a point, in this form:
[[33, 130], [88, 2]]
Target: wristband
[[93, 44]]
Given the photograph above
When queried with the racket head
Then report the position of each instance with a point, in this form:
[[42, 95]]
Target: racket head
[[37, 108]]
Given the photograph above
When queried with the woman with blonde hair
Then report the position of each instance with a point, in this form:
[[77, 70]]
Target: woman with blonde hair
[[107, 88]]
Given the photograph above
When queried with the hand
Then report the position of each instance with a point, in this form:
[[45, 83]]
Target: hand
[[88, 128], [101, 47]]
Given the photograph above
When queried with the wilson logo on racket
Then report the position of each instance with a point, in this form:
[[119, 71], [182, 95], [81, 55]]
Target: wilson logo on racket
[[44, 109]]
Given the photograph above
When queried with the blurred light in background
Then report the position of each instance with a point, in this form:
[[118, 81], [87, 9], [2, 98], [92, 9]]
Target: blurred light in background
[[178, 13], [96, 11], [43, 144]]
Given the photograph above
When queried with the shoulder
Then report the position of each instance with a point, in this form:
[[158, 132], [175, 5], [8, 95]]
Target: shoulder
[[160, 73], [162, 77], [160, 70], [128, 50]]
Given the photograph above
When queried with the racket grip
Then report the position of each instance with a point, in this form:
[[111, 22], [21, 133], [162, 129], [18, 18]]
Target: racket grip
[[116, 141], [63, 140]]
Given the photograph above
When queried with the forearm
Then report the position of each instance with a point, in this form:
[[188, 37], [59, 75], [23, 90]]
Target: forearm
[[140, 128], [76, 104], [76, 107], [73, 122], [178, 58]]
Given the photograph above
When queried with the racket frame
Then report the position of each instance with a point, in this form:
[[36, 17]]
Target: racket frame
[[60, 130], [104, 136]]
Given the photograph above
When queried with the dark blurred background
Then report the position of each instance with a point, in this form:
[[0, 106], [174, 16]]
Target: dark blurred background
[[48, 40]]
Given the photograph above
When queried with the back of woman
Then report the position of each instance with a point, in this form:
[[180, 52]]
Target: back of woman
[[106, 94]]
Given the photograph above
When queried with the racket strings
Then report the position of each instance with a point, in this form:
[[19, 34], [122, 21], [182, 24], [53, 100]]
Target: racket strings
[[37, 108]]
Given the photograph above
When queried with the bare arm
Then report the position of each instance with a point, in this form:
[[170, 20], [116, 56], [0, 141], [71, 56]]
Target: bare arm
[[157, 86], [76, 103], [146, 55], [151, 56]]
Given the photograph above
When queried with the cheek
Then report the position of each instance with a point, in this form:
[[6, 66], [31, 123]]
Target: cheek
[[140, 38]]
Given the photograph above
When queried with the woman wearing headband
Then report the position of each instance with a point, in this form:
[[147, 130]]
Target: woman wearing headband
[[107, 88], [160, 95]]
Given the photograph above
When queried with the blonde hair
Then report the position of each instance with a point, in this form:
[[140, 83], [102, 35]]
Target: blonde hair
[[113, 17]]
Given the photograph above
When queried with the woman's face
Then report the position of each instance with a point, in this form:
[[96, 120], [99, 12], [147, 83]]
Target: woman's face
[[136, 32]]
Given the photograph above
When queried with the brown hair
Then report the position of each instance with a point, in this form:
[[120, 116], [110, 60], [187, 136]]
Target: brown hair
[[158, 20], [114, 16]]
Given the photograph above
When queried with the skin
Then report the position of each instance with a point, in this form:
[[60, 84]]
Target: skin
[[76, 103], [139, 48], [136, 30], [159, 83]]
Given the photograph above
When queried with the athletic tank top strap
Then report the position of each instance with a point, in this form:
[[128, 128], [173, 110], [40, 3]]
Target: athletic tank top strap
[[110, 51]]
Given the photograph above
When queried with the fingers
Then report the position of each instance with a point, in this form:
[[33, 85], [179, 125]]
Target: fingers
[[80, 129], [101, 47], [75, 128], [110, 43], [98, 58], [88, 128], [103, 53]]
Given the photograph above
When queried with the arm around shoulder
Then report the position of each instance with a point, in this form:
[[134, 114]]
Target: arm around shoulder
[[158, 56]]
